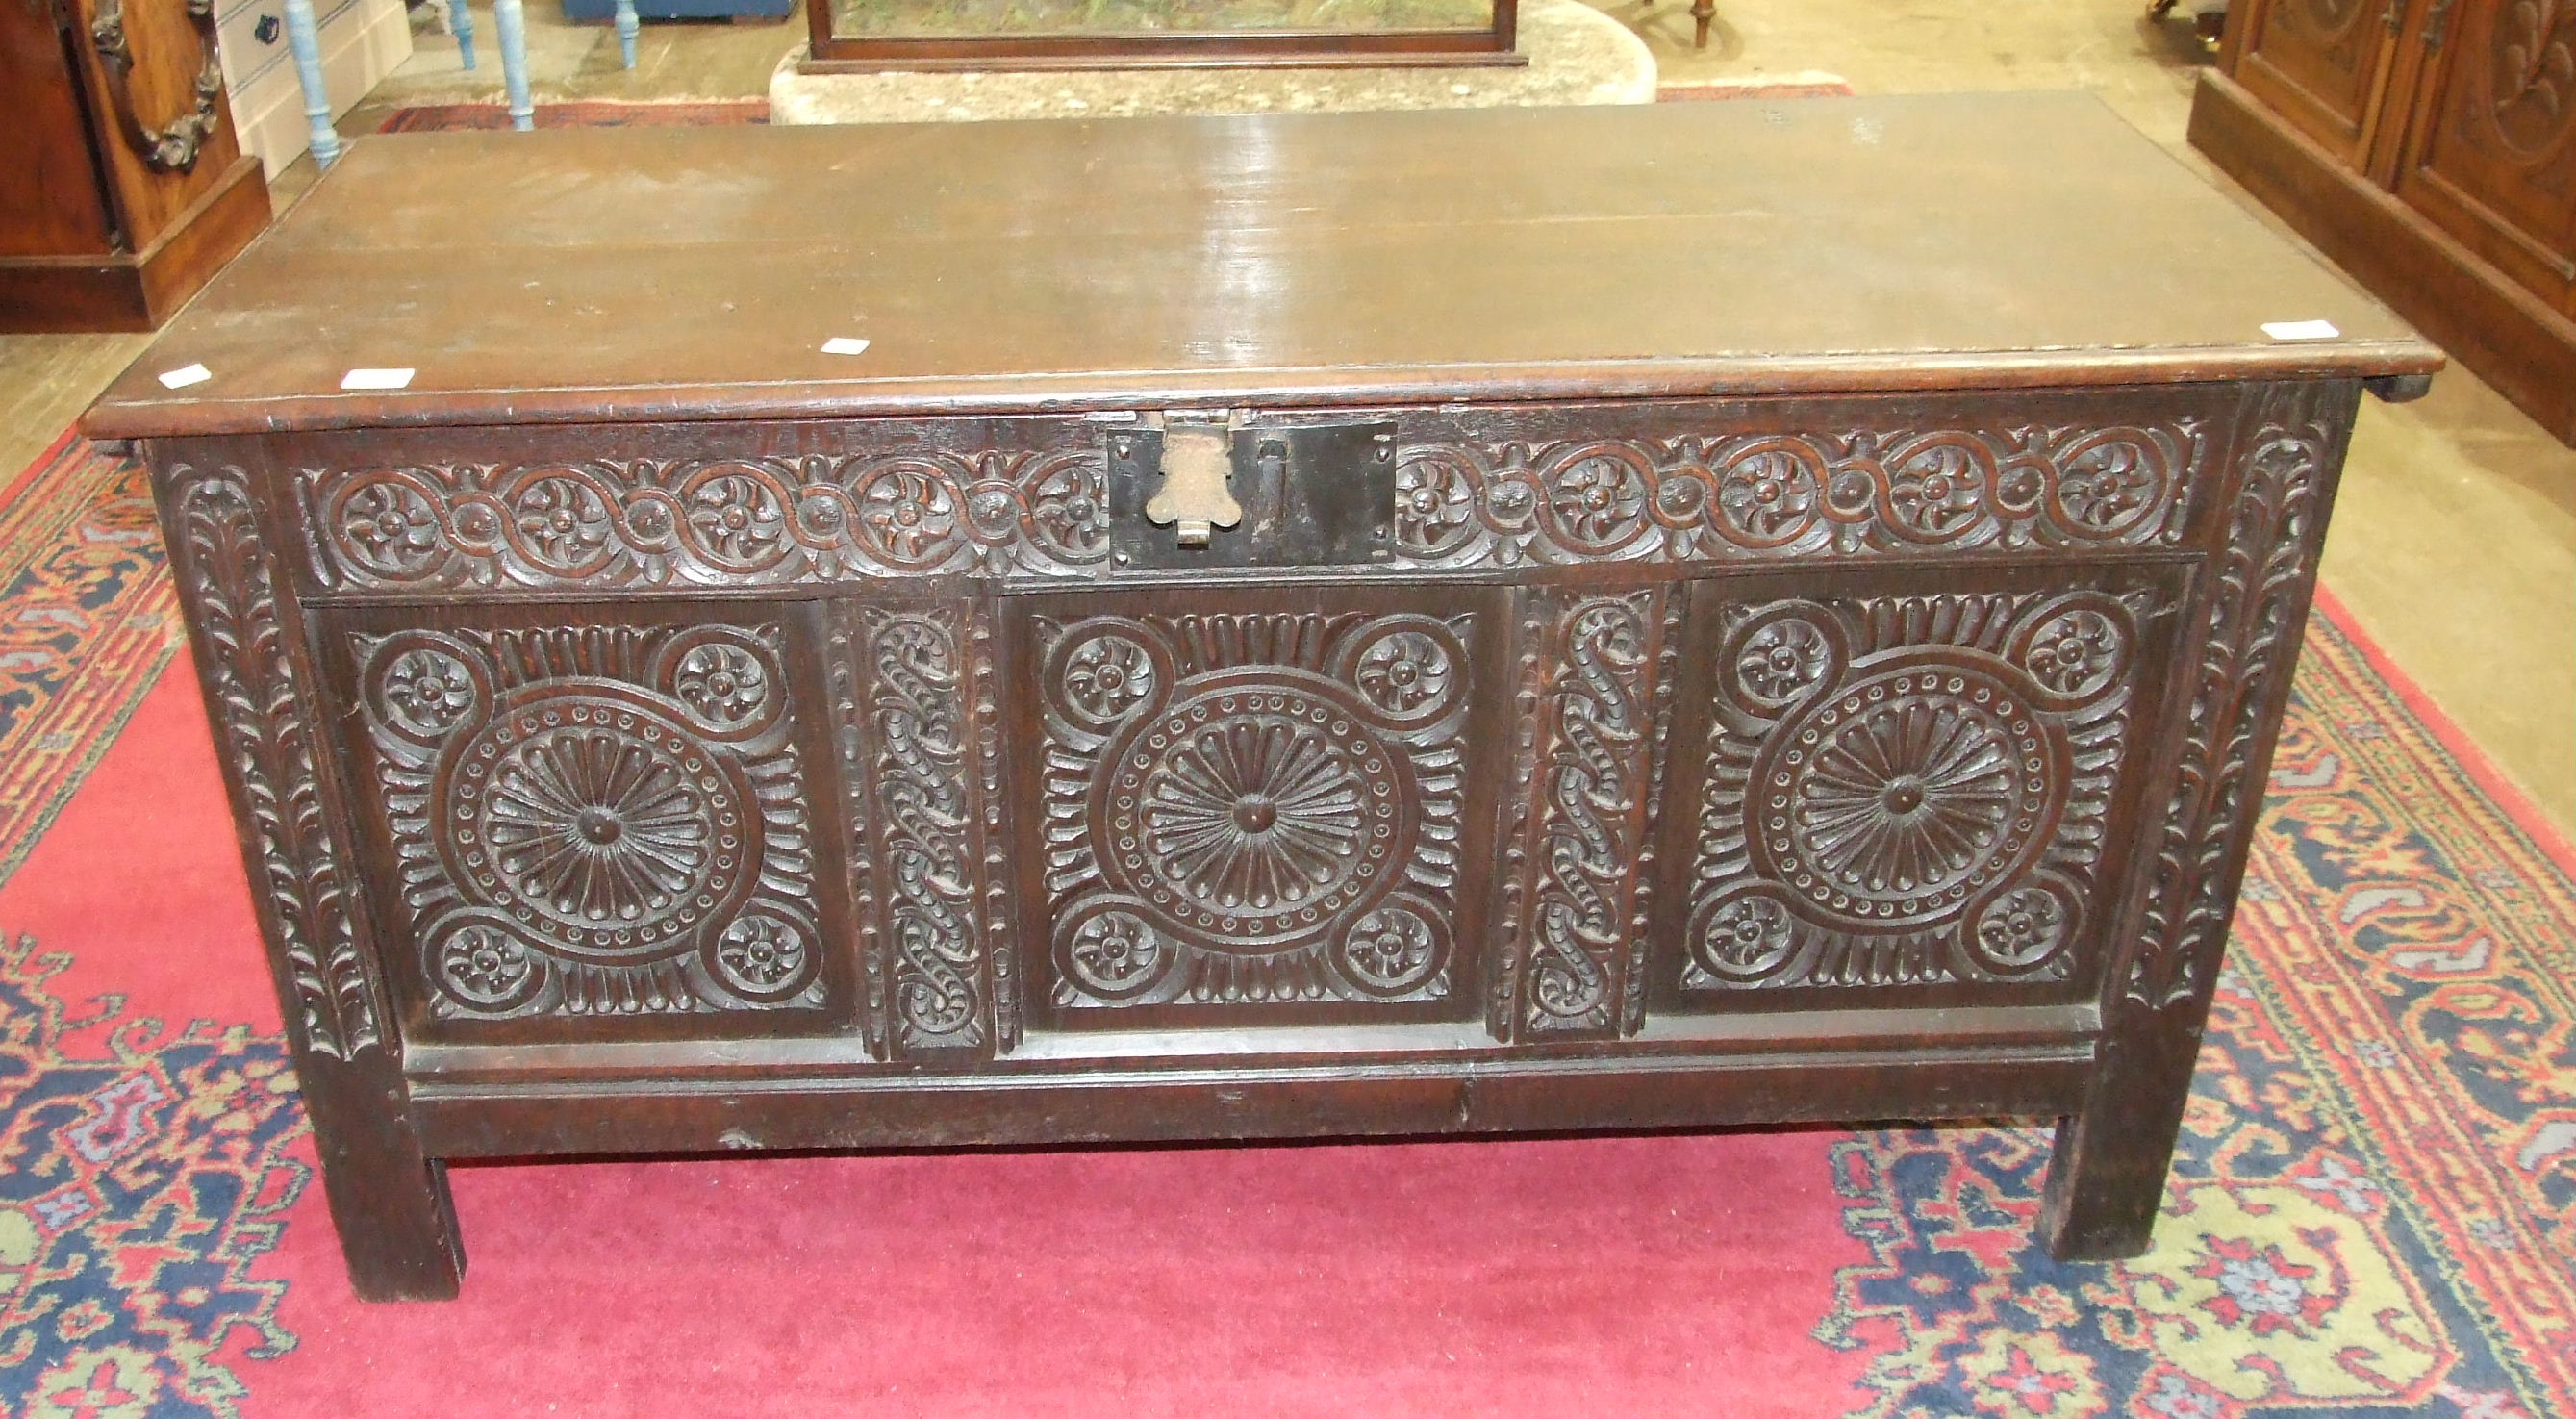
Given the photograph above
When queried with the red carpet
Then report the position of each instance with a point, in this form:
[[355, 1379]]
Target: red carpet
[[1445, 1278], [2371, 1216]]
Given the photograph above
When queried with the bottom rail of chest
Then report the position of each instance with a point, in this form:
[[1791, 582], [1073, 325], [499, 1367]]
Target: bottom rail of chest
[[1207, 1100]]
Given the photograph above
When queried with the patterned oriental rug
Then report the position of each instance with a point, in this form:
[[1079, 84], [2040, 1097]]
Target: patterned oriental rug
[[2374, 1213]]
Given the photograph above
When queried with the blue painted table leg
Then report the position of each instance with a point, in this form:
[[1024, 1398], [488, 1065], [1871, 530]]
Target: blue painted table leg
[[510, 17], [627, 25], [461, 21], [304, 37]]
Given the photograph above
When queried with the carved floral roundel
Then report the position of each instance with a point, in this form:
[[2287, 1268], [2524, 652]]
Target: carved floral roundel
[[600, 823], [1252, 814], [1918, 787]]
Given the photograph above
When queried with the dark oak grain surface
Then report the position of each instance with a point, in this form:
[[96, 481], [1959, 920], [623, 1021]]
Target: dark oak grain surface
[[1678, 249]]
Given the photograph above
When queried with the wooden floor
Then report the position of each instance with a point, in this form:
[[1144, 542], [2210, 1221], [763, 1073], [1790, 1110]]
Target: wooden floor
[[2457, 511]]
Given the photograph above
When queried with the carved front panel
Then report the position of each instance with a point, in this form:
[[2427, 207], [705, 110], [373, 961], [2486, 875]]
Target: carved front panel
[[1243, 811], [1911, 792], [596, 827]]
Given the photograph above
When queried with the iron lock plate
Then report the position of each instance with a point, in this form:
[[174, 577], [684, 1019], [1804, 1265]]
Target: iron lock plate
[[1312, 495]]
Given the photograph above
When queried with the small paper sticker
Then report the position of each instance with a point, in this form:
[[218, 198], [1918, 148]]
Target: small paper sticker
[[185, 375], [2301, 330], [845, 345], [376, 379]]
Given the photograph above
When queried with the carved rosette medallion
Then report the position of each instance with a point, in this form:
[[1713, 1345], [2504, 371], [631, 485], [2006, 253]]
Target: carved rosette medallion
[[595, 820], [1909, 791], [1252, 809]]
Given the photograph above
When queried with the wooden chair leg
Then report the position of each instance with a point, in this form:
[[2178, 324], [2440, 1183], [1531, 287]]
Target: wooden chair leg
[[1704, 13], [460, 22]]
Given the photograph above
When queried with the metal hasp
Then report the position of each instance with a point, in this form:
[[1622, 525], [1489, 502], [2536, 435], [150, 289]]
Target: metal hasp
[[1234, 492], [1197, 465]]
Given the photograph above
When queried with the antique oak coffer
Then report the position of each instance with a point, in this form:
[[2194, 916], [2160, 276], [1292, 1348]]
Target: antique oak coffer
[[1362, 624]]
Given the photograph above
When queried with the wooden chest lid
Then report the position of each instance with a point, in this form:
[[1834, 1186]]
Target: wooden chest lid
[[1748, 247]]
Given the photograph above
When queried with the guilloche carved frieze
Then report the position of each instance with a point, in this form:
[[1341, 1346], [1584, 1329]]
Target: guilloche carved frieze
[[607, 522], [1461, 502], [1785, 495]]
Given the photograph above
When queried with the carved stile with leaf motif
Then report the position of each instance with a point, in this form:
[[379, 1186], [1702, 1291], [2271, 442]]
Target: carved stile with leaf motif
[[616, 780]]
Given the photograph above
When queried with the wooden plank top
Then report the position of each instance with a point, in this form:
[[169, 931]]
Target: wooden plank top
[[1739, 248]]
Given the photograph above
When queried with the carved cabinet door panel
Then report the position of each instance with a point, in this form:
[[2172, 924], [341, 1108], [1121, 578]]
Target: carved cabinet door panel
[[2321, 63], [2492, 153], [1911, 792], [596, 824], [1250, 806]]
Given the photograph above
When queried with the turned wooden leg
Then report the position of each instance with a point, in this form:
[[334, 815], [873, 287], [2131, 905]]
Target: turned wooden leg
[[389, 1200], [509, 17], [1704, 13], [2240, 645], [303, 40], [460, 22]]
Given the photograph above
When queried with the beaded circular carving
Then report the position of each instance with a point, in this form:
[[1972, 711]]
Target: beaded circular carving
[[1915, 789], [602, 825], [484, 964], [1744, 934], [1114, 954], [763, 956], [1250, 816], [1394, 948]]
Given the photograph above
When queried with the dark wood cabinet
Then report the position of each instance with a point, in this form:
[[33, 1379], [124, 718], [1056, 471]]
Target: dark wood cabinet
[[2489, 154], [122, 187], [2430, 147], [2320, 64], [1266, 641]]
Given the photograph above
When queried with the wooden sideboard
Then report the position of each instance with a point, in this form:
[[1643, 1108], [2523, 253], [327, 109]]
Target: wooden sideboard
[[1356, 624], [2429, 146], [122, 184]]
